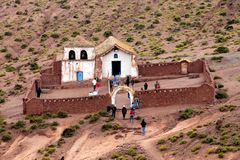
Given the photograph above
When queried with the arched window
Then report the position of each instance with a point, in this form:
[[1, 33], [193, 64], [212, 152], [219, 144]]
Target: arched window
[[72, 55], [115, 55], [84, 54]]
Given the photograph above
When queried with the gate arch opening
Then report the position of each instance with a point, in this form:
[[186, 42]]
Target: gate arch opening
[[129, 90]]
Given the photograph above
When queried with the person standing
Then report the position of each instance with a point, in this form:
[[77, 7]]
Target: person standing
[[128, 81], [157, 85], [132, 82], [114, 109], [143, 126], [132, 115], [39, 91], [97, 86], [124, 111], [94, 82], [145, 86]]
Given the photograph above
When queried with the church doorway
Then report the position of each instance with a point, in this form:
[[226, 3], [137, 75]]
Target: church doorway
[[116, 68]]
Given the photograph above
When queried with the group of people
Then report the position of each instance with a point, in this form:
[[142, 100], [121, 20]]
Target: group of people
[[132, 114], [128, 81], [156, 86]]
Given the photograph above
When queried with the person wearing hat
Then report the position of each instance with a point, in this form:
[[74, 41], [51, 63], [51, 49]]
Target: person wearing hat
[[124, 111]]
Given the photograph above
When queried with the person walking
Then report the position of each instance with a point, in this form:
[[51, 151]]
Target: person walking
[[114, 109], [145, 86], [124, 111], [97, 86], [94, 82], [132, 113], [143, 126]]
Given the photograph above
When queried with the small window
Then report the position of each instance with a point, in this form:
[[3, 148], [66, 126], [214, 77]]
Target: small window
[[115, 55], [115, 49], [72, 55], [84, 54]]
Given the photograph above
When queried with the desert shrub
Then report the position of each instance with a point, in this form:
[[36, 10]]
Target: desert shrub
[[61, 114], [55, 35], [192, 134], [75, 34], [44, 37], [147, 8], [217, 58], [23, 46], [162, 147], [94, 118], [8, 33], [177, 19], [161, 141], [183, 142], [2, 100], [170, 39], [2, 93], [208, 140], [140, 157], [158, 51], [138, 26], [34, 66], [221, 155], [196, 148], [18, 87], [9, 68], [226, 108], [132, 151], [211, 69], [68, 132], [185, 114], [103, 113], [81, 122], [219, 85], [107, 34], [236, 140], [107, 126], [220, 94], [217, 77], [116, 155], [7, 136], [19, 124], [130, 39], [138, 118], [2, 74], [176, 137], [54, 123], [76, 126], [221, 50], [60, 141], [8, 56]]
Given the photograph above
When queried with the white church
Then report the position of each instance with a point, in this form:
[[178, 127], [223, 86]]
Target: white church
[[82, 61]]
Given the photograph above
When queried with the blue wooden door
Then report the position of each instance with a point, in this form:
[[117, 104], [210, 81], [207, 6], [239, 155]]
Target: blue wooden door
[[80, 76]]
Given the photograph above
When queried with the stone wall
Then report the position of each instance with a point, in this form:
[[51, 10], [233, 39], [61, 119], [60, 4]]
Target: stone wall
[[70, 105]]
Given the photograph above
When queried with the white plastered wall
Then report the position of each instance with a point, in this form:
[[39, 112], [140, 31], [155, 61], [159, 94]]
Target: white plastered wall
[[128, 66], [90, 52]]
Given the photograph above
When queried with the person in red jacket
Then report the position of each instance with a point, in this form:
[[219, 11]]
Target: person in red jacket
[[97, 86], [132, 113]]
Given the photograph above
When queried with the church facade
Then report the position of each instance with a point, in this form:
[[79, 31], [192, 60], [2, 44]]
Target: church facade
[[110, 58]]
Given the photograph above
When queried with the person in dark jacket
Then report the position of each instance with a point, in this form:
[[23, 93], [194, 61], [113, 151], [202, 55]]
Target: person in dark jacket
[[39, 91], [114, 109], [132, 82], [145, 86], [128, 81], [143, 126], [124, 111]]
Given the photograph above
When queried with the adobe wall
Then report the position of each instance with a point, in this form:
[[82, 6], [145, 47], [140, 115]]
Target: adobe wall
[[163, 97], [160, 69], [70, 105], [51, 76]]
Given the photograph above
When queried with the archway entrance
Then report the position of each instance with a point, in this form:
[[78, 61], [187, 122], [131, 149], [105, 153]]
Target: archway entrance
[[127, 89], [184, 68]]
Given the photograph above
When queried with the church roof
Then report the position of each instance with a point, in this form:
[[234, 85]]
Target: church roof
[[106, 46], [79, 41]]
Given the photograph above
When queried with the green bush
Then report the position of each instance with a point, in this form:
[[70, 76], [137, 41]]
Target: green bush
[[55, 35], [220, 94], [130, 39], [226, 108], [217, 77], [221, 50], [221, 155], [187, 113], [162, 147], [2, 100], [61, 114], [94, 118], [183, 142], [140, 157], [9, 68], [81, 122], [19, 124], [132, 151], [6, 136], [161, 141], [107, 34], [54, 123], [107, 127], [103, 113], [208, 140], [68, 132], [192, 134], [196, 148], [18, 87]]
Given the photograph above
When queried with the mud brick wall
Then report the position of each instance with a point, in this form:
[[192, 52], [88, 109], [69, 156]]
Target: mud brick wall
[[163, 97], [70, 105], [160, 69], [196, 66], [51, 76]]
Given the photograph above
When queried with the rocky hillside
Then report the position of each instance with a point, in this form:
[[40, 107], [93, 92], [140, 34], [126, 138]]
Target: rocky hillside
[[33, 31]]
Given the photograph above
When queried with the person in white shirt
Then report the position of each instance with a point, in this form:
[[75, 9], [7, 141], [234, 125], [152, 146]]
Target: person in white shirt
[[94, 82]]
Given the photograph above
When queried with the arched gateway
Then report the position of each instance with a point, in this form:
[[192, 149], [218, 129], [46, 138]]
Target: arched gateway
[[122, 88]]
